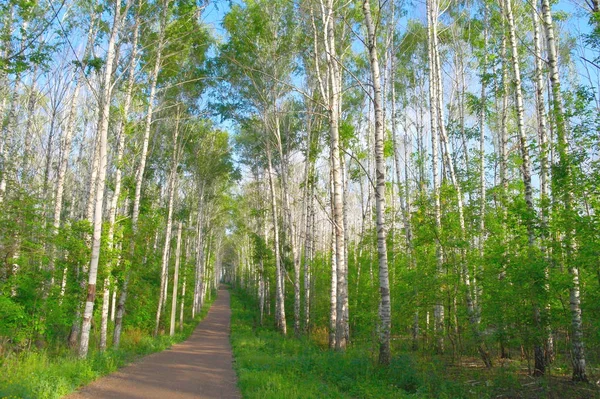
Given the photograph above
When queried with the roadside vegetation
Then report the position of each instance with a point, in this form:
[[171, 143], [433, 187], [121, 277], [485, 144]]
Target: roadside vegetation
[[54, 372]]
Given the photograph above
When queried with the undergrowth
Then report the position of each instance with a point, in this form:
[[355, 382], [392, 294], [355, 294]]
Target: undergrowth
[[269, 365], [45, 374]]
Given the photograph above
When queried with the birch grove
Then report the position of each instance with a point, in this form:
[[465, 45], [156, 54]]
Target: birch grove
[[381, 177], [474, 206]]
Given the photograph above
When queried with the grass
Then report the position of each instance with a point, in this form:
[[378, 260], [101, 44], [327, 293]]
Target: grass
[[42, 375], [269, 365]]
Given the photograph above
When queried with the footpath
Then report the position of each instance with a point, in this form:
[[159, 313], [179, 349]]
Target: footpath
[[200, 367]]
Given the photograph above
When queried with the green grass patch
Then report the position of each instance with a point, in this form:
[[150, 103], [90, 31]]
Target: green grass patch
[[46, 375], [269, 365]]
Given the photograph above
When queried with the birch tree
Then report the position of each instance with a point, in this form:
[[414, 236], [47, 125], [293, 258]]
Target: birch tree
[[176, 280], [102, 132], [139, 176], [563, 188], [384, 284]]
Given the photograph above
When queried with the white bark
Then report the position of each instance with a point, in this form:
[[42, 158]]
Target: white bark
[[334, 106], [176, 280], [93, 183], [113, 305], [112, 214], [333, 292], [182, 306], [164, 276], [31, 104], [403, 192], [199, 271], [577, 346], [291, 229], [543, 354], [439, 307], [139, 177], [384, 284], [103, 138], [308, 234], [482, 188], [104, 317], [280, 300], [504, 135], [9, 123], [262, 281], [526, 165]]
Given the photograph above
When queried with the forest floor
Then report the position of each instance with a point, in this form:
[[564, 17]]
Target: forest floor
[[271, 366], [200, 367], [512, 379]]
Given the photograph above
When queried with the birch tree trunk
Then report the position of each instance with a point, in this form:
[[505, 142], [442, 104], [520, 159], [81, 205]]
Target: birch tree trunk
[[334, 106], [9, 124], [32, 100], [526, 166], [403, 192], [5, 51], [199, 280], [564, 189], [113, 305], [384, 284], [103, 138], [542, 120], [90, 204], [205, 271], [333, 298], [308, 237], [344, 295], [438, 101], [262, 232], [542, 358], [139, 176], [540, 366], [164, 276], [182, 306], [279, 298], [175, 280], [261, 291], [439, 307], [503, 148], [112, 214], [478, 290], [291, 231]]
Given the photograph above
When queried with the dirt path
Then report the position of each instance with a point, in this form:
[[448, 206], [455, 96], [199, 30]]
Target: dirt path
[[200, 367]]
